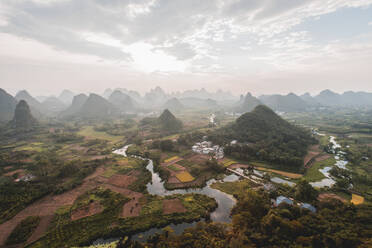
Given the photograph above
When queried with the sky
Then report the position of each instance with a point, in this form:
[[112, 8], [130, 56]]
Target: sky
[[261, 46]]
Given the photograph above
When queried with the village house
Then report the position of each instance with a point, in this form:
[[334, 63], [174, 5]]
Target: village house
[[206, 147]]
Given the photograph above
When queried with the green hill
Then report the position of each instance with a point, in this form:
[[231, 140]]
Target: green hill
[[22, 117], [263, 135], [7, 106], [168, 122], [97, 107]]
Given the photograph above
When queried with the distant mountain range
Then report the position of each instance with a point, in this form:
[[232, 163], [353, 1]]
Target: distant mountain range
[[120, 101]]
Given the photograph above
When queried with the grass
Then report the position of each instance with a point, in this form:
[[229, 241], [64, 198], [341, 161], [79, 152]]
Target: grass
[[313, 174], [185, 163], [154, 205], [185, 177], [282, 173], [114, 244], [227, 162], [23, 230], [35, 147], [171, 159], [173, 168], [89, 132], [232, 188], [122, 166], [357, 199]]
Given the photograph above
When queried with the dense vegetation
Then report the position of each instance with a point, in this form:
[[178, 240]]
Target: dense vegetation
[[169, 123], [257, 224], [23, 230], [263, 135]]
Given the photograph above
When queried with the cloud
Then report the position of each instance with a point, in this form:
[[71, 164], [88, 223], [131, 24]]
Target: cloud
[[229, 38]]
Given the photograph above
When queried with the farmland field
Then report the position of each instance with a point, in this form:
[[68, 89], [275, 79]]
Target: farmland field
[[282, 173], [184, 177], [89, 133], [357, 199], [169, 160]]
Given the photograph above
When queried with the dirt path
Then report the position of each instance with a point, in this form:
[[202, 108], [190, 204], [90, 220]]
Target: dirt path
[[41, 228], [47, 207]]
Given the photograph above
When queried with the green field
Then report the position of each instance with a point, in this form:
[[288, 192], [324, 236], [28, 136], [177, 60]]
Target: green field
[[90, 133], [313, 174]]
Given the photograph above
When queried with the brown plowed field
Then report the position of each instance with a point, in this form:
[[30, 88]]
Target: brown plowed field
[[92, 209], [199, 159], [326, 196], [311, 153], [173, 206], [121, 180]]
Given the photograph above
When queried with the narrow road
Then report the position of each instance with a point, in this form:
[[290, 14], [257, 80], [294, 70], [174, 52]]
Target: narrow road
[[244, 176]]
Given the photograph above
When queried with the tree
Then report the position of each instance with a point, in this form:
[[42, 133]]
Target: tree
[[166, 145], [305, 192]]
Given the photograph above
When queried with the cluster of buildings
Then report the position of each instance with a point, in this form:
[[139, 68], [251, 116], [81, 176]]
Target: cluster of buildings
[[206, 147]]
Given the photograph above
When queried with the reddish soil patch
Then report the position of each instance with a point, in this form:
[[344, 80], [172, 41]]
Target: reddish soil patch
[[41, 228], [48, 205], [21, 173], [236, 166], [131, 208], [173, 206], [121, 180], [311, 153], [326, 196], [8, 167], [199, 159], [92, 209], [173, 179], [323, 157]]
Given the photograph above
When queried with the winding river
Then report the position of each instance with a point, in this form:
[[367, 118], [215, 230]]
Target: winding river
[[156, 187], [328, 181]]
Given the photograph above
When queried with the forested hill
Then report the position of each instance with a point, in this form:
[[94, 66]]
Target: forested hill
[[263, 135], [168, 122]]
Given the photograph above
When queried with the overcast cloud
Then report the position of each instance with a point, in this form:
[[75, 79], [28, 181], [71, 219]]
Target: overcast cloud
[[262, 46]]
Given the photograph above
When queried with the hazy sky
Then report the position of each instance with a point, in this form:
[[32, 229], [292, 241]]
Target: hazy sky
[[262, 46]]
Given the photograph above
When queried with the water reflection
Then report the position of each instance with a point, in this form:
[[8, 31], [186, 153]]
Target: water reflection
[[156, 187]]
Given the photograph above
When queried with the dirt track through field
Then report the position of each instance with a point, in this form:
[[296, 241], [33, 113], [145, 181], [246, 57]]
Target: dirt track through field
[[41, 228], [46, 207], [43, 207]]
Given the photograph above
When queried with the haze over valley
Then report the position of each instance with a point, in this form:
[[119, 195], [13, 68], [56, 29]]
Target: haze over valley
[[185, 124]]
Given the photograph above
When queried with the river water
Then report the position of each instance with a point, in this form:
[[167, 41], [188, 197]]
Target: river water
[[156, 187], [328, 181]]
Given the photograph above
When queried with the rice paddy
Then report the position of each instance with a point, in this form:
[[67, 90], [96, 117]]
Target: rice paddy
[[169, 160], [228, 162], [357, 199], [184, 177], [90, 133]]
